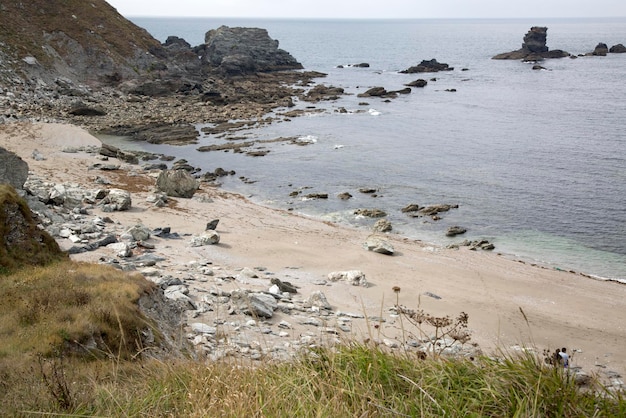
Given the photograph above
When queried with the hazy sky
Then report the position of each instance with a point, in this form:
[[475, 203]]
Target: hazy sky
[[372, 8]]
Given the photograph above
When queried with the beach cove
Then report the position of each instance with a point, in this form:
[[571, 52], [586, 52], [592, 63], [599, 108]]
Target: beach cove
[[510, 304]]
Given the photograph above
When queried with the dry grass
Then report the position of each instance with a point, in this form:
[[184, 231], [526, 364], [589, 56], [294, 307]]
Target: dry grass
[[71, 308]]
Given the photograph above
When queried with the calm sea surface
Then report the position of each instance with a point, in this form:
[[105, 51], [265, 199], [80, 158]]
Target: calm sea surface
[[536, 160]]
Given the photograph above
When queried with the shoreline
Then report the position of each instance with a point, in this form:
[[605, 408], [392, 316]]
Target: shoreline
[[261, 200], [559, 308]]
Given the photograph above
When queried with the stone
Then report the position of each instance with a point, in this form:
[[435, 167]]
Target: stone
[[382, 225], [283, 286], [177, 183], [354, 277], [13, 170], [318, 299], [212, 225], [117, 200], [370, 213], [427, 66], [617, 49], [455, 230], [208, 238], [138, 233], [378, 244], [420, 82]]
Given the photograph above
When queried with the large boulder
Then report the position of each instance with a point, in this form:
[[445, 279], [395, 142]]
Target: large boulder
[[601, 50], [177, 183], [21, 241], [245, 51], [13, 170]]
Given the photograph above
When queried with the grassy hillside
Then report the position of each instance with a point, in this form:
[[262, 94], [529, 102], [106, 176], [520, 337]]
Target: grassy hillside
[[94, 24]]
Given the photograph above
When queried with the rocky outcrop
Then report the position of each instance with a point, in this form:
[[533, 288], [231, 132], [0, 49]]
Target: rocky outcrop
[[13, 170], [21, 241], [617, 49], [600, 50], [235, 51], [382, 92], [533, 48], [428, 66]]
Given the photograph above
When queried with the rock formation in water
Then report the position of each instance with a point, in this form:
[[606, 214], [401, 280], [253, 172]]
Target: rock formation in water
[[533, 48]]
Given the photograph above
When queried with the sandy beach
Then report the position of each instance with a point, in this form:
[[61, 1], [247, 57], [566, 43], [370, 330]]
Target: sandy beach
[[563, 309]]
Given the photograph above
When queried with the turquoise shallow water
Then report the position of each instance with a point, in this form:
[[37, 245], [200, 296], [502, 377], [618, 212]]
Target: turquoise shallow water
[[535, 159]]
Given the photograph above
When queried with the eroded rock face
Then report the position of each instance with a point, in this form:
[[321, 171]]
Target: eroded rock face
[[13, 170], [244, 51], [21, 241]]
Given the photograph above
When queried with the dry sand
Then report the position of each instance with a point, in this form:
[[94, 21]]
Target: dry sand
[[562, 308]]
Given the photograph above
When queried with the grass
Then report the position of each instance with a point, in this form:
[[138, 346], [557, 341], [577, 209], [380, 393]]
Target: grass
[[353, 380], [49, 315], [71, 344], [71, 309]]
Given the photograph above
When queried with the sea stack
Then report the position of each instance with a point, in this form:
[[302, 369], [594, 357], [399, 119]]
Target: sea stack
[[533, 48]]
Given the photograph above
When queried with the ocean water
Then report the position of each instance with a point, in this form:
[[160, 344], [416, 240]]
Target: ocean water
[[536, 160]]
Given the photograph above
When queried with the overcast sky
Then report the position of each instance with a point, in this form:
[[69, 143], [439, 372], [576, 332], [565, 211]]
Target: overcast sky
[[372, 8]]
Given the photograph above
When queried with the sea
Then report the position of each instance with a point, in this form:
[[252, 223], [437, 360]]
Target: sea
[[535, 159]]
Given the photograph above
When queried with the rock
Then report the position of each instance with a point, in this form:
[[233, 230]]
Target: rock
[[436, 209], [370, 213], [208, 238], [417, 83], [81, 109], [283, 286], [13, 170], [177, 183], [382, 225], [23, 243], [344, 196], [138, 233], [116, 200], [114, 152], [378, 244], [354, 277], [244, 51], [455, 230], [601, 50], [121, 249], [322, 92], [618, 49], [318, 299], [427, 66], [413, 207], [200, 328], [211, 226], [533, 48], [374, 92], [254, 304]]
